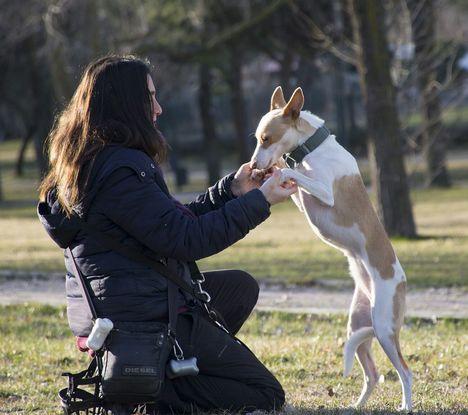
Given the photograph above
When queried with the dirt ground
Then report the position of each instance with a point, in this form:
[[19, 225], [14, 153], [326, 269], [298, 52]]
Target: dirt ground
[[427, 303]]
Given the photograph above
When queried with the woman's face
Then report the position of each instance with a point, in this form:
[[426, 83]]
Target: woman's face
[[157, 110]]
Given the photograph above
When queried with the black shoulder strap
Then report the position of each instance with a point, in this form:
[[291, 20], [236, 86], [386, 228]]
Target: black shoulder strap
[[137, 256], [82, 284], [172, 302], [171, 297]]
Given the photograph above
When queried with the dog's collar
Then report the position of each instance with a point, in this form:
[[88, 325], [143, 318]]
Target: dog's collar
[[297, 155]]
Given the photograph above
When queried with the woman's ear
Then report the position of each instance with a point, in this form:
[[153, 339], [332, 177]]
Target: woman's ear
[[295, 104], [277, 99]]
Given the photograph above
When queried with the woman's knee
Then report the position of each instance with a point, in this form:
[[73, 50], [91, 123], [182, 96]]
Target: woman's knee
[[249, 285], [275, 397]]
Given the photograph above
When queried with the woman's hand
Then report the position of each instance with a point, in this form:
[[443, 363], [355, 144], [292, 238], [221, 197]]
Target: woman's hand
[[243, 181], [276, 191]]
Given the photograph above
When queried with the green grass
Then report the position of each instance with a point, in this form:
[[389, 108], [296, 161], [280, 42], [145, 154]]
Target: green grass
[[451, 117], [304, 351], [282, 250]]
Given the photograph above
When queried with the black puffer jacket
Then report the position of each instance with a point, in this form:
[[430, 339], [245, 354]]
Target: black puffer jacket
[[126, 199]]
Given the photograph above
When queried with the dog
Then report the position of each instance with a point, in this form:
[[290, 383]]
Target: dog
[[333, 197]]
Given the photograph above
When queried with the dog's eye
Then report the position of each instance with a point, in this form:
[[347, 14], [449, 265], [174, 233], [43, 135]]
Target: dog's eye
[[265, 139]]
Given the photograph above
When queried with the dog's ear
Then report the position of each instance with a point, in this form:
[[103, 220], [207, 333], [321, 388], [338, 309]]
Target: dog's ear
[[295, 104], [277, 99]]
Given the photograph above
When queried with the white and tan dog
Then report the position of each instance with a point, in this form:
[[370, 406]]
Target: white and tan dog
[[333, 197]]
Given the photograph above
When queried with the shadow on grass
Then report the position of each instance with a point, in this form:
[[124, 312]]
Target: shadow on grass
[[15, 204], [352, 411], [18, 208], [421, 238]]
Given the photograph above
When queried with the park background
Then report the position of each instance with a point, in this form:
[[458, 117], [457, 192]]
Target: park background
[[390, 77]]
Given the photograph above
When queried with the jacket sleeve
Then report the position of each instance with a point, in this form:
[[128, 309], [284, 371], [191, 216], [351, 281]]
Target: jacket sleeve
[[146, 213], [215, 197]]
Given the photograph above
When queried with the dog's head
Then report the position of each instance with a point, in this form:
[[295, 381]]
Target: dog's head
[[279, 130]]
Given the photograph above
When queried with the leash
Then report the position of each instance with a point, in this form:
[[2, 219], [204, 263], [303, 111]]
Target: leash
[[296, 156]]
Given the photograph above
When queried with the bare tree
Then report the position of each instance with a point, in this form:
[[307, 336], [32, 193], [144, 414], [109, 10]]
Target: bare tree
[[434, 139], [208, 124], [368, 51], [231, 60], [1, 187], [239, 117], [212, 36], [385, 149], [25, 86]]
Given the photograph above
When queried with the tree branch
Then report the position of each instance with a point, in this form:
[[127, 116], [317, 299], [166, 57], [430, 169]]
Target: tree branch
[[323, 40], [221, 39]]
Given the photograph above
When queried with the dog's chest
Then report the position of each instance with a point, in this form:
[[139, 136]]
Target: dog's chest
[[335, 168], [325, 224], [319, 216], [341, 224]]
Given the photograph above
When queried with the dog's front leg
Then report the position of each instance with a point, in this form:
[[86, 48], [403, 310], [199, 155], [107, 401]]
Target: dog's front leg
[[297, 201], [316, 188], [295, 196]]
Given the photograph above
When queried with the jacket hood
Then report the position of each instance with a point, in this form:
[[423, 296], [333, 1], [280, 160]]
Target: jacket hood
[[60, 228], [63, 229]]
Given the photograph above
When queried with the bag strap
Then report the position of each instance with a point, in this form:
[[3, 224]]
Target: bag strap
[[172, 301], [171, 304], [137, 256], [82, 284]]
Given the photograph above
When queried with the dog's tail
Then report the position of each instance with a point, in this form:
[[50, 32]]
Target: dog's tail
[[350, 348]]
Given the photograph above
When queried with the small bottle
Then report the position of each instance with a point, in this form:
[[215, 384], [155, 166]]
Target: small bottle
[[101, 328]]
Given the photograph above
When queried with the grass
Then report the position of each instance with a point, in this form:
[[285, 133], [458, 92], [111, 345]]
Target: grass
[[282, 250], [454, 116], [304, 351]]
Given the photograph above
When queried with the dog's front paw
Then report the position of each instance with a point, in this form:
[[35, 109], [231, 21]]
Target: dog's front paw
[[258, 175]]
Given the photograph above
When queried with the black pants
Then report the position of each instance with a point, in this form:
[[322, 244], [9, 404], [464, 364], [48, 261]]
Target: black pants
[[231, 377]]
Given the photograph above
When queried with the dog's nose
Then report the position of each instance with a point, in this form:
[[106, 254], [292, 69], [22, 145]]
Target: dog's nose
[[253, 164]]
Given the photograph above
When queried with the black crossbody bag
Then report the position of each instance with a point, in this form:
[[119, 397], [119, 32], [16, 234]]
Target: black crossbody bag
[[131, 366]]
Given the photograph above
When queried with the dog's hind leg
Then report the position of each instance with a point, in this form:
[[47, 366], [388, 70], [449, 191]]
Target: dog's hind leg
[[387, 318], [359, 318], [369, 369]]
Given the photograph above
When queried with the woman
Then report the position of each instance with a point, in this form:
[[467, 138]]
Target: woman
[[105, 152]]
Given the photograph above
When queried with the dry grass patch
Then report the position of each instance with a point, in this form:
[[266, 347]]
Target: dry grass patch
[[304, 351]]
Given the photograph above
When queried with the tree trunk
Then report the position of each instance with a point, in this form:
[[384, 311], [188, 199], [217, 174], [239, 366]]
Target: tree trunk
[[1, 187], [209, 131], [338, 80], [339, 98], [19, 166], [434, 141], [234, 78], [60, 78], [44, 100], [286, 63], [351, 112], [385, 149]]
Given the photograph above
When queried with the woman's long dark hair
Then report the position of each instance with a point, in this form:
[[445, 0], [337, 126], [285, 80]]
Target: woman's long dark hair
[[112, 104]]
